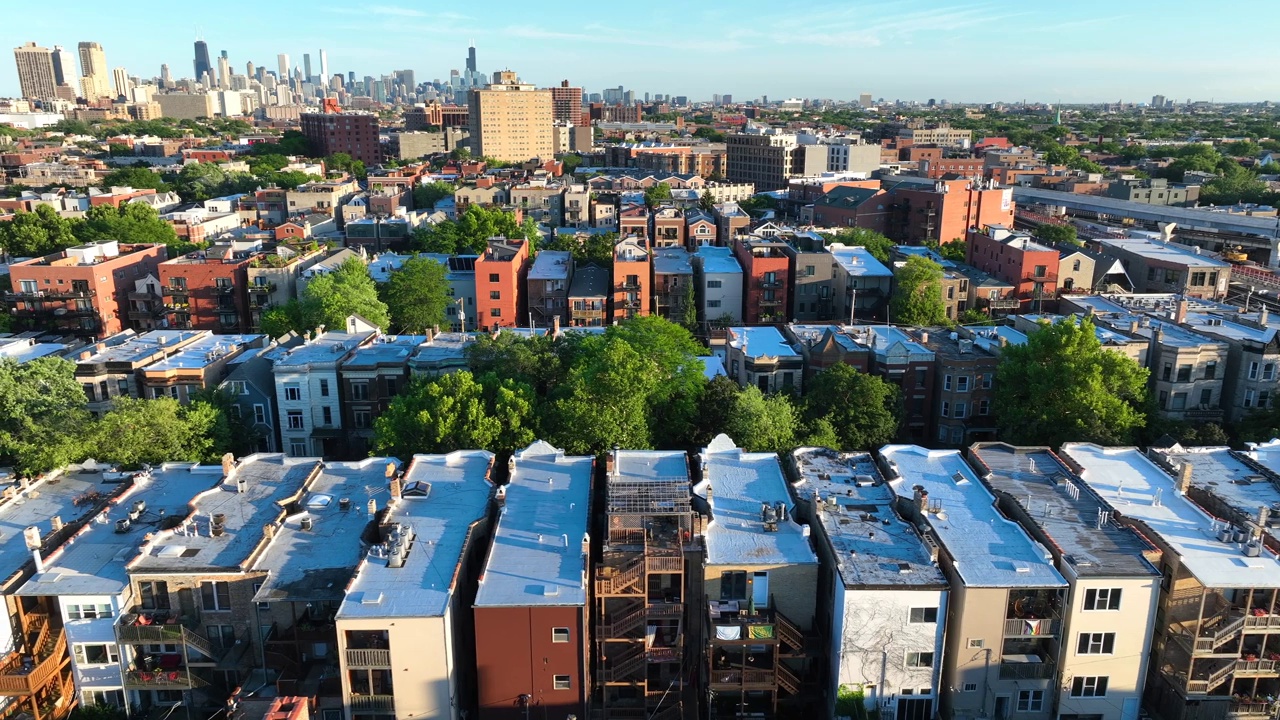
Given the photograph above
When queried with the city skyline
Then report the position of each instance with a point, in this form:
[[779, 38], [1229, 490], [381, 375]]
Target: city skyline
[[911, 49]]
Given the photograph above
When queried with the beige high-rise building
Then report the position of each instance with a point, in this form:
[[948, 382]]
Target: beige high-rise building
[[35, 71], [95, 79], [511, 121]]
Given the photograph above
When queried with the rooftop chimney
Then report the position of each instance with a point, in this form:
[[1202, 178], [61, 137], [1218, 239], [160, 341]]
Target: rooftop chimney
[[396, 489], [555, 326], [1184, 477], [1181, 315]]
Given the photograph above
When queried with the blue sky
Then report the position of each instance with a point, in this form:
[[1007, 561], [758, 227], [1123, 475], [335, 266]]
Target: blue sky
[[979, 51]]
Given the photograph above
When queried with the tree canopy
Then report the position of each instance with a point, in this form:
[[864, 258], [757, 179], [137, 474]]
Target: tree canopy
[[880, 247], [36, 233], [425, 196], [1064, 234], [1063, 386], [864, 411], [136, 178], [917, 294], [470, 233], [349, 290], [417, 295]]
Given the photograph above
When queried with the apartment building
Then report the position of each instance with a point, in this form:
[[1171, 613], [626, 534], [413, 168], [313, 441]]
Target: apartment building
[[881, 595], [633, 221], [324, 196], [1005, 606], [699, 228], [668, 227], [310, 556], [632, 279], [501, 273], [307, 388], [766, 269], [863, 284], [108, 370], [822, 346], [252, 387], [769, 160], [1113, 583], [1188, 370], [588, 297], [409, 604], [731, 220], [1031, 267], [1217, 612], [208, 289], [763, 357], [511, 121], [1253, 355], [198, 365], [720, 282], [272, 278], [190, 625], [1160, 267], [645, 601], [813, 276], [1152, 191], [370, 378], [1130, 344], [943, 135], [541, 201], [758, 578], [947, 210], [673, 282], [83, 290], [532, 616], [549, 279], [355, 134], [904, 361], [963, 389]]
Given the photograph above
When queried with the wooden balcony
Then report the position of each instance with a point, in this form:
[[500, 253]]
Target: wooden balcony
[[368, 658], [20, 677], [735, 678], [162, 679]]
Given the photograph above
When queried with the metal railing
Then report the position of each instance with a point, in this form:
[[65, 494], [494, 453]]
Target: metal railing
[[1026, 670], [373, 703], [369, 658]]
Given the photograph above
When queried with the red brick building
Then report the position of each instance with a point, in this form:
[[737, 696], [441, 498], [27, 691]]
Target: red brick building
[[941, 167], [846, 206], [351, 133], [632, 279], [765, 269], [634, 220], [566, 105], [1017, 259], [83, 290], [208, 290], [501, 273], [947, 210]]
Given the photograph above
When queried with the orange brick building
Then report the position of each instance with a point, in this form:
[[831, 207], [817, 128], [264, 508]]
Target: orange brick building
[[500, 281], [209, 291], [947, 210], [632, 279], [765, 269]]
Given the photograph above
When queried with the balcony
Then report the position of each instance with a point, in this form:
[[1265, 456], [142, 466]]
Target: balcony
[[26, 296], [1026, 667], [369, 658], [224, 289], [629, 285], [177, 292], [155, 627], [1257, 668], [1045, 278], [733, 678], [373, 703], [768, 284], [262, 288], [179, 678], [1032, 627], [20, 675]]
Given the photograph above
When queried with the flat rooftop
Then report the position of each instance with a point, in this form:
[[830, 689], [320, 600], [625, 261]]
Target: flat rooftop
[[1171, 333], [315, 563], [988, 337], [873, 547], [69, 496], [1222, 325], [1233, 478], [740, 484], [990, 549], [254, 495], [23, 350], [551, 265], [204, 352], [539, 551], [858, 261], [1064, 509], [1166, 252], [443, 346], [141, 347], [718, 260], [1105, 335], [1138, 489], [385, 350], [329, 347], [649, 482], [1266, 454], [443, 496], [672, 261], [762, 341], [95, 563]]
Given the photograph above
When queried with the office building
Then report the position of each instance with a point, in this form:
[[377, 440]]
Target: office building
[[95, 77], [202, 64], [36, 75], [511, 121], [64, 69], [355, 134]]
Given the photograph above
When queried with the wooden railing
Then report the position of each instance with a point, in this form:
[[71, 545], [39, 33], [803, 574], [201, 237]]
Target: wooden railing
[[626, 622], [174, 679], [1220, 636], [1257, 667], [373, 703], [164, 633], [742, 677], [368, 658], [19, 680], [664, 564], [1270, 622], [788, 632], [787, 680], [623, 581], [625, 666]]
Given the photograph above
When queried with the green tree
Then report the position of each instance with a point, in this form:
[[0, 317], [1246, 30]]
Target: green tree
[[688, 308], [863, 410], [284, 319], [570, 163], [656, 194], [329, 299], [602, 402], [470, 233], [539, 361], [43, 421], [1063, 386], [435, 415], [425, 196], [917, 294], [345, 163], [210, 412], [136, 178], [1242, 148], [955, 251], [198, 182], [131, 222], [97, 712], [678, 376], [762, 423], [707, 201], [880, 247], [1134, 152], [36, 233], [137, 431], [1259, 425], [516, 405], [974, 316], [716, 407], [417, 295], [1064, 234]]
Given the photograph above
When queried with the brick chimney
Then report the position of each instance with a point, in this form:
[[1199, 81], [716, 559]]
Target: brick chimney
[[1184, 477], [1180, 316]]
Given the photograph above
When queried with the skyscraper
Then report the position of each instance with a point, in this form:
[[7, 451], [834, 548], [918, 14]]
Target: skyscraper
[[471, 59], [95, 77], [224, 71], [306, 66], [566, 104], [120, 78], [35, 71], [511, 121], [324, 65], [166, 78], [202, 64], [282, 61], [63, 69]]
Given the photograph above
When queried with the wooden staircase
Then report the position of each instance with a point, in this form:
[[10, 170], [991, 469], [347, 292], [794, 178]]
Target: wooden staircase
[[625, 581], [626, 665], [787, 679], [623, 623]]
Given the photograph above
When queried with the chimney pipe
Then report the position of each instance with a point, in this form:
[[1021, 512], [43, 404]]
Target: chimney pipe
[[1184, 477], [1181, 315]]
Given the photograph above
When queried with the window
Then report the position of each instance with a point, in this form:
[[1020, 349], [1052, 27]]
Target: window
[[560, 635], [326, 413], [493, 277], [713, 303], [1030, 701], [215, 595], [924, 615], [1253, 371], [236, 412], [237, 387], [984, 407], [1206, 396], [957, 435], [986, 381], [324, 387], [391, 386], [1264, 398], [561, 682], [90, 392], [495, 312], [1075, 266], [1167, 372], [713, 284], [259, 414], [962, 383], [1197, 278], [1184, 373], [295, 420], [88, 612], [946, 409], [971, 687], [1041, 271], [961, 410], [809, 270], [123, 387], [919, 659], [1269, 371], [976, 643], [360, 390], [1096, 643], [1089, 686], [361, 419], [946, 382], [733, 585], [297, 448], [1211, 370], [1102, 599], [292, 392], [96, 653], [154, 595]]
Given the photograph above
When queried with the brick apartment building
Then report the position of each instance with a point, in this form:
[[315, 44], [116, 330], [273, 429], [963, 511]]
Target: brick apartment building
[[947, 210], [1017, 259], [632, 279], [352, 133], [963, 389], [566, 105], [501, 273], [82, 290], [765, 269], [208, 291]]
